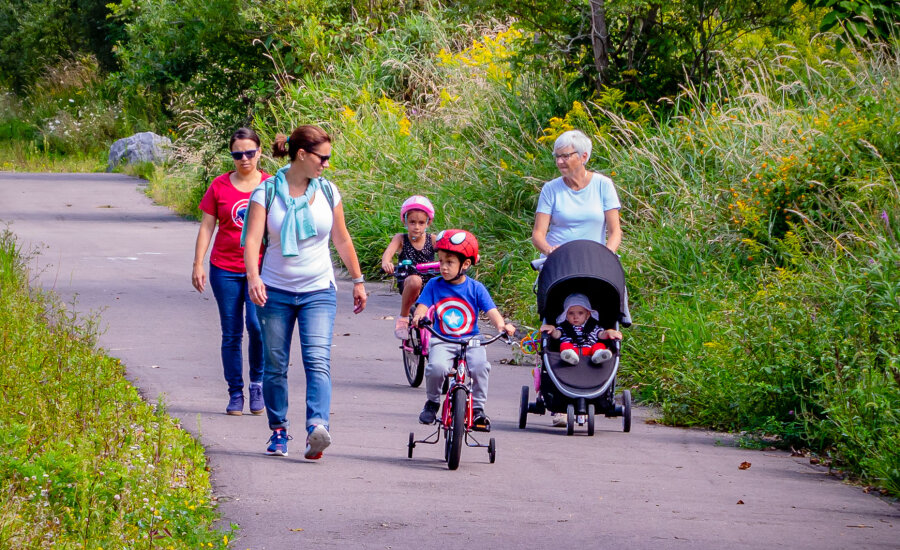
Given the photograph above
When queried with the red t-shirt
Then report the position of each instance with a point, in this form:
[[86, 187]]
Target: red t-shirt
[[229, 206]]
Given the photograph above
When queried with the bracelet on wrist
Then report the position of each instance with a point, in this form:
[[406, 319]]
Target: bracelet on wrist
[[358, 280]]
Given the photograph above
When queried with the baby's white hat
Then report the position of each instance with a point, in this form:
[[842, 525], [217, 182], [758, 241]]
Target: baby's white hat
[[576, 300]]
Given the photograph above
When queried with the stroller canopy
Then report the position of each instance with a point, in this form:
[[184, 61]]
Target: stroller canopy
[[586, 267]]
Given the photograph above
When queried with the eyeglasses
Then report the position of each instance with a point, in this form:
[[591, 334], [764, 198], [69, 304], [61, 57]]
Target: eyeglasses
[[322, 158], [238, 155], [564, 156]]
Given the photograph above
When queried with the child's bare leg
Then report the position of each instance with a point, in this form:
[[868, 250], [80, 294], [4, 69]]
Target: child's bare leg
[[412, 287]]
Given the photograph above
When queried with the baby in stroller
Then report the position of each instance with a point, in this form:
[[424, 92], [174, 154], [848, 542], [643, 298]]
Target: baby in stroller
[[579, 332], [581, 287]]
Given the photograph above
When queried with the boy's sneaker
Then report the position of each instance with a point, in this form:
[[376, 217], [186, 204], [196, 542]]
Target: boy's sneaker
[[257, 405], [278, 443], [235, 404], [480, 421], [569, 356], [601, 355], [317, 441], [401, 328], [429, 413]]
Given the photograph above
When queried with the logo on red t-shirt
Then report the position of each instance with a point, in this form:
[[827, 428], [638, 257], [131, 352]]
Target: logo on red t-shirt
[[239, 212], [455, 316]]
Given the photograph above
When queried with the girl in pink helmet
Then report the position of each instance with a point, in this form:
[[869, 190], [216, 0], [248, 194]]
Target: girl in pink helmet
[[416, 245]]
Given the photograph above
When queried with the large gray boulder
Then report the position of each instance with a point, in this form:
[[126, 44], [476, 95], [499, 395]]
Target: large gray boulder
[[141, 147]]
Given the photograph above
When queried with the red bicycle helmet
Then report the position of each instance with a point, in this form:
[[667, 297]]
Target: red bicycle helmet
[[459, 241]]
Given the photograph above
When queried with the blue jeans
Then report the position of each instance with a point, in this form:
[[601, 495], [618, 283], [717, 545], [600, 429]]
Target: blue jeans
[[314, 313], [230, 290]]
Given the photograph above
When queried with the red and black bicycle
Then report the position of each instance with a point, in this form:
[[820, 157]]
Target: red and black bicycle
[[456, 413]]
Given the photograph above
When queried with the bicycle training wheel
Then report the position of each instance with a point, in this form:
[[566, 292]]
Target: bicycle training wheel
[[457, 433]]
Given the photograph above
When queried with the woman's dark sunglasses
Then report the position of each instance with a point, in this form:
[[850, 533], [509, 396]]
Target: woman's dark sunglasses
[[238, 155], [322, 158]]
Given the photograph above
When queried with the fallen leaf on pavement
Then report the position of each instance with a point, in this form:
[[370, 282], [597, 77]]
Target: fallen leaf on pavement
[[297, 529], [744, 465], [861, 526], [739, 502]]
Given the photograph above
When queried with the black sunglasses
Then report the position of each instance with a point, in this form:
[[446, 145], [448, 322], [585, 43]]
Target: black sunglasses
[[238, 155], [322, 158]]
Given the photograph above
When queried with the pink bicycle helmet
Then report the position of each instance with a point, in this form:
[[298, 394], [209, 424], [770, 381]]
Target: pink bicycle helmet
[[417, 202]]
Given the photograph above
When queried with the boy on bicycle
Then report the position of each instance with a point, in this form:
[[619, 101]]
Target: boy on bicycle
[[457, 300]]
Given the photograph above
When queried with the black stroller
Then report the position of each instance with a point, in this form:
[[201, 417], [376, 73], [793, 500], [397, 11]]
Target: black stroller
[[580, 390]]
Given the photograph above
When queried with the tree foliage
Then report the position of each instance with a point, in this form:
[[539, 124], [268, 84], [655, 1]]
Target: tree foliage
[[645, 46], [35, 34], [862, 19]]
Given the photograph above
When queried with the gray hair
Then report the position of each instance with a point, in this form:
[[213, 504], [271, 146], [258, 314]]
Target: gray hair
[[576, 139]]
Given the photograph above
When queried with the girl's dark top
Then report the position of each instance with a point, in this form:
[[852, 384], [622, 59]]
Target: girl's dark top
[[408, 252]]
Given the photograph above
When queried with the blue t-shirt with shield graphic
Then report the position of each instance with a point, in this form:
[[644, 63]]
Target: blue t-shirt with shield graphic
[[456, 307]]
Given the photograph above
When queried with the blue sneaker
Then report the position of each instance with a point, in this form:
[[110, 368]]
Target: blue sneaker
[[235, 404], [278, 443], [257, 405], [429, 412], [316, 442]]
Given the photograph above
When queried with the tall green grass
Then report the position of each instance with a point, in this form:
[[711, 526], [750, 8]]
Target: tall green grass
[[84, 461], [68, 119]]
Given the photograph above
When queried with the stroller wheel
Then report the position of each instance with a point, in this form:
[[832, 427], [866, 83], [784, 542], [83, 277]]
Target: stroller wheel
[[523, 408], [590, 419], [626, 411], [412, 444], [570, 419]]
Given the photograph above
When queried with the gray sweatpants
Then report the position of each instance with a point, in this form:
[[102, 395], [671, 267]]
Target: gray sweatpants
[[440, 360]]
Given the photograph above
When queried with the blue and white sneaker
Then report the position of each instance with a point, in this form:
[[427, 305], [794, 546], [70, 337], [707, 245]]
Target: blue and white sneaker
[[278, 443], [317, 441]]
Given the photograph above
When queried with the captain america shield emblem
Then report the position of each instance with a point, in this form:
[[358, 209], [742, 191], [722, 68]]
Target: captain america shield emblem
[[239, 212], [455, 316]]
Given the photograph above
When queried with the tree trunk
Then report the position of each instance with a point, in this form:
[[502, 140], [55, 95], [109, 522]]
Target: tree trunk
[[600, 40]]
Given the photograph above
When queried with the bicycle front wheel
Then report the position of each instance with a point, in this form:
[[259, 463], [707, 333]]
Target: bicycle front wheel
[[413, 361], [456, 435]]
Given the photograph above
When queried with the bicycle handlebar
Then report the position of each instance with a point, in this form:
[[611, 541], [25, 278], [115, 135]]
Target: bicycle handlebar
[[426, 324], [407, 268]]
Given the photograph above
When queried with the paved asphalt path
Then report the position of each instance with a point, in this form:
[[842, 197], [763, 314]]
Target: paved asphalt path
[[101, 240]]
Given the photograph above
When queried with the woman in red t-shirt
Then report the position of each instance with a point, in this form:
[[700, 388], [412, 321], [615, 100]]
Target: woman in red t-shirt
[[226, 202]]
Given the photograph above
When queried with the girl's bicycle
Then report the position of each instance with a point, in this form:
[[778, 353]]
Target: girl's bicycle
[[415, 346], [456, 413]]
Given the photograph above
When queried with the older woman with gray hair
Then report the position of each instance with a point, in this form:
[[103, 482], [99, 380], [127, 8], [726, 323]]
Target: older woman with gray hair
[[579, 204]]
